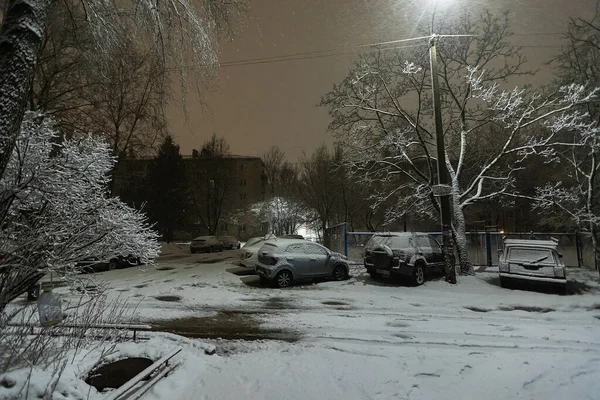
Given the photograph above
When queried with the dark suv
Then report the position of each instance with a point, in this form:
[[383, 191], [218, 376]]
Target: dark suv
[[407, 254]]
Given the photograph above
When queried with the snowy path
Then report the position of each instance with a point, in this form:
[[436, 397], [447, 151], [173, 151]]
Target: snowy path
[[361, 339]]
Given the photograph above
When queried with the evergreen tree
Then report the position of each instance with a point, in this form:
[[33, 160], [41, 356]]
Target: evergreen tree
[[168, 189]]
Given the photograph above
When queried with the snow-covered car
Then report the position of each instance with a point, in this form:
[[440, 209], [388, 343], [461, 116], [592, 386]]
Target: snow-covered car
[[532, 261], [206, 243], [229, 242], [95, 264], [405, 254], [248, 253], [292, 236], [283, 261]]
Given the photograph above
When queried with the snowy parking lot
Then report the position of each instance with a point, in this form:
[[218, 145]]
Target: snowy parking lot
[[365, 339]]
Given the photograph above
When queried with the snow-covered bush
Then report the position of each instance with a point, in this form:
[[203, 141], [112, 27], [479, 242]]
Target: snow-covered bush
[[55, 209]]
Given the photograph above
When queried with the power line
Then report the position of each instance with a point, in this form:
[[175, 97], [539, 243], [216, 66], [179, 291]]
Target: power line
[[307, 55]]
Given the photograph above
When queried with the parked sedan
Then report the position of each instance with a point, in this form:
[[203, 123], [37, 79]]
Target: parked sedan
[[283, 261], [407, 254], [206, 243], [248, 253], [536, 261], [229, 242]]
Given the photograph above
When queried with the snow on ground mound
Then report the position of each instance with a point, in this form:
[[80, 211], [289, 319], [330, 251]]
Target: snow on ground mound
[[35, 383]]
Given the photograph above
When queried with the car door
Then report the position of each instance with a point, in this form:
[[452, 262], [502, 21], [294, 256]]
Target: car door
[[296, 256], [319, 259], [424, 249], [436, 250]]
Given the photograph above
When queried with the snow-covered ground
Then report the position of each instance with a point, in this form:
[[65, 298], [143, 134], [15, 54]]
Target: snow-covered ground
[[361, 339]]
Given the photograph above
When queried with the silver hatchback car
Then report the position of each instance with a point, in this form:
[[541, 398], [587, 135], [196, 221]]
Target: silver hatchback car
[[283, 261]]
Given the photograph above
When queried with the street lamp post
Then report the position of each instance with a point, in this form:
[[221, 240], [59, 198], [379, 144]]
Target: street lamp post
[[442, 172]]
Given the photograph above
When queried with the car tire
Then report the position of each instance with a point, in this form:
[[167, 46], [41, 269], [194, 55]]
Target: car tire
[[374, 275], [340, 273], [192, 251], [418, 274], [283, 279], [562, 289], [264, 281], [112, 265]]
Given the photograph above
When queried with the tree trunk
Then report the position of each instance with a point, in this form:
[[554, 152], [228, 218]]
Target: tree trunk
[[459, 232], [21, 37]]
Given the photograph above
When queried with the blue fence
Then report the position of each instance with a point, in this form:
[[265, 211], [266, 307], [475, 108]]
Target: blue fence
[[577, 248]]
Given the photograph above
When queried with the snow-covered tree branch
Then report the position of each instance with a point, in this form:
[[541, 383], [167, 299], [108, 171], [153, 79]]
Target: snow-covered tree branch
[[56, 211]]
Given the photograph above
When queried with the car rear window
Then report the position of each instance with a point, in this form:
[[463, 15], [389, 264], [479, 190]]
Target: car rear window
[[268, 247], [393, 242], [252, 242], [530, 254]]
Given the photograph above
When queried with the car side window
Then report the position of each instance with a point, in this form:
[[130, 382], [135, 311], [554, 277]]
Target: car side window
[[434, 244], [315, 249], [295, 248], [423, 241]]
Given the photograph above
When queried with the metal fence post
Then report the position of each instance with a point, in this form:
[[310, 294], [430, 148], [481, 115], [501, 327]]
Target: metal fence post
[[488, 248], [345, 239], [578, 249]]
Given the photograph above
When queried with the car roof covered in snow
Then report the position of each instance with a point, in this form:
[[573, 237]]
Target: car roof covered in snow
[[531, 243], [282, 242]]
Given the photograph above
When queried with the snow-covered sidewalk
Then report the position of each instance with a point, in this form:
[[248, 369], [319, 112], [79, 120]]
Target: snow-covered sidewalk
[[364, 339]]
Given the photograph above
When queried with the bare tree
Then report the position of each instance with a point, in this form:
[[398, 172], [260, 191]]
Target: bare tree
[[273, 160], [210, 184], [577, 197], [320, 187], [381, 114], [182, 34]]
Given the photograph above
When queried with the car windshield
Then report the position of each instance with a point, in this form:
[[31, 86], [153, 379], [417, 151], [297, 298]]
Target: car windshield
[[530, 254], [392, 241]]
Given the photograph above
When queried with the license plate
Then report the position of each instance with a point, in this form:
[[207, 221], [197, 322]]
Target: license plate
[[383, 272]]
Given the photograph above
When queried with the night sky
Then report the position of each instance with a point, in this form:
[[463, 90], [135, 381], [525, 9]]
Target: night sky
[[256, 106]]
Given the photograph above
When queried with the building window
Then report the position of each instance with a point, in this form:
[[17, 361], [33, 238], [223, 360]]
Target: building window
[[242, 167], [212, 182], [243, 183]]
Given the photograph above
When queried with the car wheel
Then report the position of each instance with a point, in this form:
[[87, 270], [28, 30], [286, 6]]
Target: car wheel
[[374, 275], [112, 265], [503, 283], [562, 289], [340, 273], [192, 251], [263, 281], [418, 274], [283, 279]]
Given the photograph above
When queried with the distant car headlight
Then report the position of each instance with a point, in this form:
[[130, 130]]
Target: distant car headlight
[[503, 268], [559, 272]]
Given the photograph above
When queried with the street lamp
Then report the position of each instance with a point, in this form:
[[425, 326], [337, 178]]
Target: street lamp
[[443, 189]]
